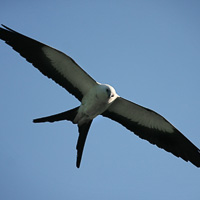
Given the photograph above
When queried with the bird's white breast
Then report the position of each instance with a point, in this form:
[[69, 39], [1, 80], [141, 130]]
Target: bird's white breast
[[94, 103]]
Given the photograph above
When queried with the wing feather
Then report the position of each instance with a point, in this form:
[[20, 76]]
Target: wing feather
[[151, 126], [51, 62]]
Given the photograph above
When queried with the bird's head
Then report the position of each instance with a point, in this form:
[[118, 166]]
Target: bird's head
[[106, 92]]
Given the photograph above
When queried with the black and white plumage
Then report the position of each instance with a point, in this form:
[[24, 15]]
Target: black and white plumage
[[98, 99]]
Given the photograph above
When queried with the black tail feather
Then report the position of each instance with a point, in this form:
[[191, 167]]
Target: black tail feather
[[67, 115], [83, 131]]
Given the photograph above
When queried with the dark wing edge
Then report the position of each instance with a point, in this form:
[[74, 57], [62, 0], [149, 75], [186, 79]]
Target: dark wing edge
[[174, 142], [32, 51]]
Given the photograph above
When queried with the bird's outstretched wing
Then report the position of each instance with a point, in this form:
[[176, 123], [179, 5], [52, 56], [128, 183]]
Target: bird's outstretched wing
[[51, 62], [151, 126]]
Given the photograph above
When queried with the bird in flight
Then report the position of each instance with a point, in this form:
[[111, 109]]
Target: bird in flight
[[98, 99]]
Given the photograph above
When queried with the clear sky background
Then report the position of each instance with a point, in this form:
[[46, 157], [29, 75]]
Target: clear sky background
[[149, 51]]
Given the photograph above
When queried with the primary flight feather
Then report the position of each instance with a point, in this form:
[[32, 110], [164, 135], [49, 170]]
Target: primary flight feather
[[98, 99]]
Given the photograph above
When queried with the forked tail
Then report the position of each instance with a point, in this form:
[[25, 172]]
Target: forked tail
[[67, 115], [83, 131], [83, 128]]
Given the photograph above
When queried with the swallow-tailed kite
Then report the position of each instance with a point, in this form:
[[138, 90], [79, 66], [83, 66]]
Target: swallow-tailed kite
[[98, 99]]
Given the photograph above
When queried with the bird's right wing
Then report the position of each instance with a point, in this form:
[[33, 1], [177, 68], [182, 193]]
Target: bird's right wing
[[151, 126]]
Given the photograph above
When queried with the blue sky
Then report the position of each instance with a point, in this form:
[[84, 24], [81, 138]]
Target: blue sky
[[148, 51]]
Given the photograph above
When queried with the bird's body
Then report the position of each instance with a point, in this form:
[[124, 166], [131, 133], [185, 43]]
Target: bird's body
[[98, 99], [95, 102]]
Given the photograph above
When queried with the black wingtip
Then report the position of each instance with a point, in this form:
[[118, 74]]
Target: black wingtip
[[7, 28]]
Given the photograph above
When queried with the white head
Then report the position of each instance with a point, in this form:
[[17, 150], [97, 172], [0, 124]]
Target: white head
[[106, 92]]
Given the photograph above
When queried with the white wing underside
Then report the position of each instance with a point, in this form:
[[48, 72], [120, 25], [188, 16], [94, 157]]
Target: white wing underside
[[69, 70], [140, 115], [52, 63]]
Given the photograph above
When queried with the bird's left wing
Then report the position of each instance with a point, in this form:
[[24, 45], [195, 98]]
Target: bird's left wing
[[151, 126], [51, 62]]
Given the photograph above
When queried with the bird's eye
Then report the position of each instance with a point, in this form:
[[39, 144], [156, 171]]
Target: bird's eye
[[108, 92]]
